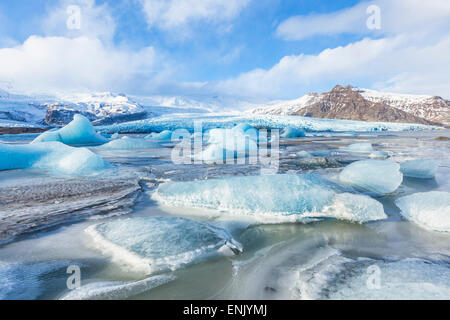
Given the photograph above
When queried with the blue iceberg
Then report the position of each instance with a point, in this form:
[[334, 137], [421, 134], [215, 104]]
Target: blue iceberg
[[272, 198], [79, 132], [291, 132], [377, 176], [422, 169], [430, 210], [127, 143], [155, 244], [53, 156]]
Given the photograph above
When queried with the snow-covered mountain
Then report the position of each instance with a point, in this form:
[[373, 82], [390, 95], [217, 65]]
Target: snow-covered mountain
[[363, 104], [101, 108], [433, 108]]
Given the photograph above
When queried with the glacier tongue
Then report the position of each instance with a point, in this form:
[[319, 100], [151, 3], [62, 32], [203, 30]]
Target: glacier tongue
[[78, 132], [430, 210], [154, 244], [378, 176], [272, 198]]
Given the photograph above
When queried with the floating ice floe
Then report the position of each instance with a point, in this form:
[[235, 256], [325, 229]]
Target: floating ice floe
[[78, 132], [430, 210], [24, 281], [377, 176], [163, 135], [358, 147], [422, 169], [291, 132], [127, 143], [116, 290], [339, 278], [154, 244], [272, 198], [376, 154], [53, 156]]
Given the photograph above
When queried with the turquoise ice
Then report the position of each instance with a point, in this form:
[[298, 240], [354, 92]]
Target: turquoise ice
[[78, 132], [55, 157], [272, 198]]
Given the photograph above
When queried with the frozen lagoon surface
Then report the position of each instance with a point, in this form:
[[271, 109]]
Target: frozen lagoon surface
[[44, 217]]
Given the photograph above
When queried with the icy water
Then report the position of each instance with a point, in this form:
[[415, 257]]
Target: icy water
[[44, 219]]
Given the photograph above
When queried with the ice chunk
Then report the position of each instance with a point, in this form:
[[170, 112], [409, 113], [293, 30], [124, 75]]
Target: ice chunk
[[164, 135], [53, 156], [377, 176], [227, 143], [153, 244], [78, 132], [358, 147], [430, 210], [116, 290], [115, 136], [127, 143], [271, 198], [423, 169], [378, 155], [304, 154], [291, 132]]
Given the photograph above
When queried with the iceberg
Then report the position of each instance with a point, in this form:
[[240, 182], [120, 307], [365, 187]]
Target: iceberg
[[226, 144], [155, 244], [79, 132], [53, 156], [358, 147], [377, 176], [116, 290], [164, 135], [291, 132], [422, 169], [430, 210], [271, 198], [378, 155], [127, 143], [304, 154]]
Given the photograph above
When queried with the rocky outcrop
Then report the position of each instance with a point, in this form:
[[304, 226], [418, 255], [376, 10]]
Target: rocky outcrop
[[344, 103]]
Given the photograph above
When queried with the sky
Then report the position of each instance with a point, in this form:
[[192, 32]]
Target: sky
[[251, 49]]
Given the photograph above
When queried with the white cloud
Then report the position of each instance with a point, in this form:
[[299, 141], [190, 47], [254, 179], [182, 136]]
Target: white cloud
[[397, 16], [71, 64], [96, 21], [168, 14], [395, 62]]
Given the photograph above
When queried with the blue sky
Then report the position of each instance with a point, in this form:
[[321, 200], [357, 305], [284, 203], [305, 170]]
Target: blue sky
[[251, 48]]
